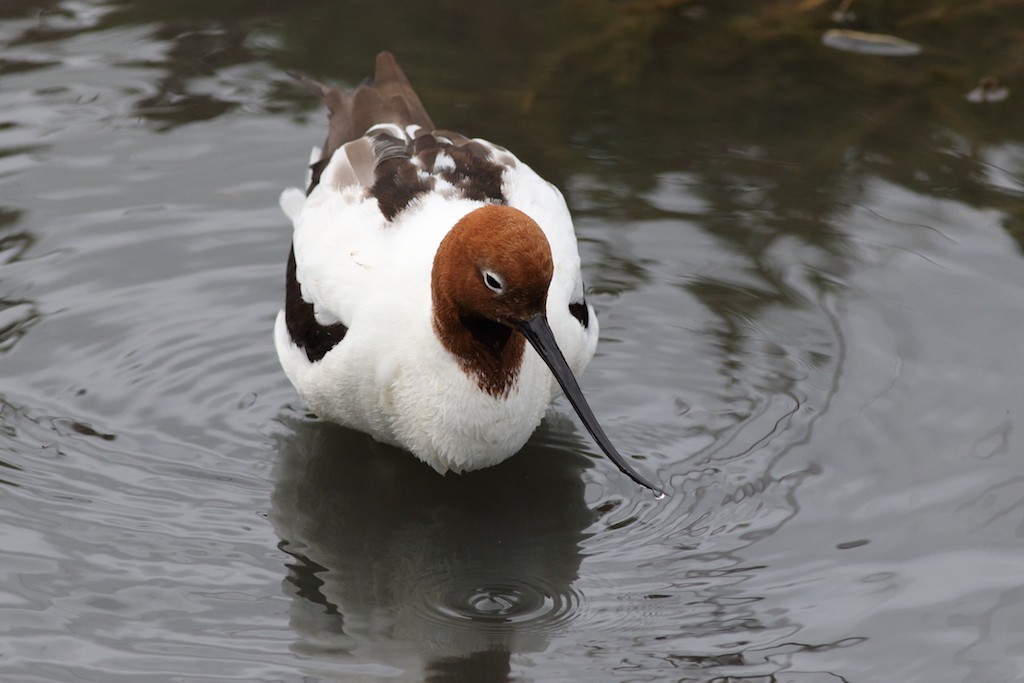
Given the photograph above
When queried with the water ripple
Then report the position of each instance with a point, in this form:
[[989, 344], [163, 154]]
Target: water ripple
[[492, 602]]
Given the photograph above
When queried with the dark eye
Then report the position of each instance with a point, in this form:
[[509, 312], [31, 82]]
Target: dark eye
[[493, 282]]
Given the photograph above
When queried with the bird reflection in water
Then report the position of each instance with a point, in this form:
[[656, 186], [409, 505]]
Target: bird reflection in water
[[400, 573]]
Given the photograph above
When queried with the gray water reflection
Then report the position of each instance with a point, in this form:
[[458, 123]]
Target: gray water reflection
[[394, 564]]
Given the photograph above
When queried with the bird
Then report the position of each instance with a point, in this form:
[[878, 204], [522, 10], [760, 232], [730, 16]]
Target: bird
[[433, 292]]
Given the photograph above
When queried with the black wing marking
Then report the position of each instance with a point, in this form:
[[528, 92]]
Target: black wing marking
[[309, 335]]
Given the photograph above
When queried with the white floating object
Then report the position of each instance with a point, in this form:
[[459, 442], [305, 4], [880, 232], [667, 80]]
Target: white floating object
[[990, 89], [869, 43]]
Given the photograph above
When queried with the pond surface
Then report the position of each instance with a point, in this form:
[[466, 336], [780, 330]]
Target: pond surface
[[807, 262]]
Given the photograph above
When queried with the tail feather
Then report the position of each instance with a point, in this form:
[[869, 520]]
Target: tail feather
[[400, 99], [387, 98]]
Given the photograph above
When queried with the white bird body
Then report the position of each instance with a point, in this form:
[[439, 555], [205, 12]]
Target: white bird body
[[404, 297], [391, 377]]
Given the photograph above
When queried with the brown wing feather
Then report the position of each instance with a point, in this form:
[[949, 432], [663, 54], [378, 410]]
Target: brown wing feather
[[387, 98], [398, 103]]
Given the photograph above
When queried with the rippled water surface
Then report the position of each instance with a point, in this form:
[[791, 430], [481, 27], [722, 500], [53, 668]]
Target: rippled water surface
[[808, 268]]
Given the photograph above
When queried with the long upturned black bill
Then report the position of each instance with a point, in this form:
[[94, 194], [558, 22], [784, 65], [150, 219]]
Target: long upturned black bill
[[538, 333]]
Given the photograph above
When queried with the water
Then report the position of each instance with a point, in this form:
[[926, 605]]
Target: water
[[807, 265]]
